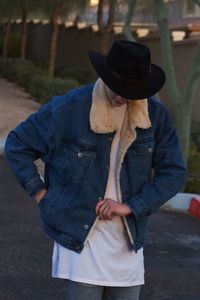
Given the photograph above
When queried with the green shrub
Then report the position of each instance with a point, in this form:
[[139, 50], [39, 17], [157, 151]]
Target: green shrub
[[43, 88], [193, 181], [2, 68], [81, 74], [19, 71], [14, 42], [36, 81], [195, 134]]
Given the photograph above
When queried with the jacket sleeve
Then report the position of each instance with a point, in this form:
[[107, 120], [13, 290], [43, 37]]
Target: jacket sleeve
[[30, 140], [169, 171]]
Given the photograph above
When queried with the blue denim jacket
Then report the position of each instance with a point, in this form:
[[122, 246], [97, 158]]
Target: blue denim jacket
[[76, 166]]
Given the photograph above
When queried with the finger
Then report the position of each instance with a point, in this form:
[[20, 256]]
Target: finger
[[108, 215], [99, 204], [105, 212], [118, 209], [102, 211]]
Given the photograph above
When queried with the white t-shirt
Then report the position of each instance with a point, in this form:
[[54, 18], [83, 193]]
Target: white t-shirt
[[105, 259]]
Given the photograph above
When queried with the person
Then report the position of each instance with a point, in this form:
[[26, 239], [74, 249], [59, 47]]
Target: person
[[112, 158]]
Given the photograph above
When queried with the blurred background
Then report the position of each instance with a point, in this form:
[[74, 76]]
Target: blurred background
[[44, 48]]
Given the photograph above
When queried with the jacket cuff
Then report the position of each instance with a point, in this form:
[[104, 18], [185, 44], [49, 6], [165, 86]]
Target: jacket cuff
[[35, 185], [137, 207], [132, 214]]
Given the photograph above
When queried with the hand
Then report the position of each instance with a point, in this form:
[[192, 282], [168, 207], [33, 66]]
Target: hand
[[38, 196], [106, 208]]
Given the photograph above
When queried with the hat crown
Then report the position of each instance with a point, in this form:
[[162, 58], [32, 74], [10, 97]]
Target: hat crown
[[130, 60]]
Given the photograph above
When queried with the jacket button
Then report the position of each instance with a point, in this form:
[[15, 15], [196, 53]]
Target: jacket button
[[86, 226], [150, 150], [100, 198], [80, 154]]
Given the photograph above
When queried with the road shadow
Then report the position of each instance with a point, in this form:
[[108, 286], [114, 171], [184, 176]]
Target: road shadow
[[172, 259]]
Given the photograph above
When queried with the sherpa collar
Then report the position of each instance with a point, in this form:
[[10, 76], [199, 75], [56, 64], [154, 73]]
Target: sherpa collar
[[101, 111]]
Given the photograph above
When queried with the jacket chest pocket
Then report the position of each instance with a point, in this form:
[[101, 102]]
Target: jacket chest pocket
[[77, 160], [141, 157]]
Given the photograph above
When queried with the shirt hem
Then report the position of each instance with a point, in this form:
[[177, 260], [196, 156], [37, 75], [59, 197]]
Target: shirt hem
[[98, 282]]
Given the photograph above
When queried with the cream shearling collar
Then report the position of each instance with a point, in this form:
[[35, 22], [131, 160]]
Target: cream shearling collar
[[101, 112]]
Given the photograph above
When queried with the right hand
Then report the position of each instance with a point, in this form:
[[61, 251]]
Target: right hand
[[38, 196]]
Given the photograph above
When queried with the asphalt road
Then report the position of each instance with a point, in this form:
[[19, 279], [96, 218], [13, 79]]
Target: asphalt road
[[172, 251]]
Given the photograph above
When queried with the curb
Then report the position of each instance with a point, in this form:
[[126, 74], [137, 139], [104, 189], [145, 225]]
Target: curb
[[2, 144], [184, 202], [194, 208]]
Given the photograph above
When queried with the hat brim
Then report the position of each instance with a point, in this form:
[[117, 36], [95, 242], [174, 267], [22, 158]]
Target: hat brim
[[128, 89]]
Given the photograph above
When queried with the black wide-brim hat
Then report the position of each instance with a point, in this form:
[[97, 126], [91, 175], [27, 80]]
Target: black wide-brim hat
[[127, 70]]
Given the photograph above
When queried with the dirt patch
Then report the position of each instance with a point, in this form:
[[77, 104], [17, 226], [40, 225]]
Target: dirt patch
[[15, 106]]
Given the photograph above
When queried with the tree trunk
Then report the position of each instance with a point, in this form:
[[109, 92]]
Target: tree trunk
[[24, 34], [189, 94], [183, 128], [5, 40], [53, 44], [104, 41], [100, 14], [54, 36], [192, 79], [197, 2], [175, 98], [181, 103], [129, 16], [105, 30]]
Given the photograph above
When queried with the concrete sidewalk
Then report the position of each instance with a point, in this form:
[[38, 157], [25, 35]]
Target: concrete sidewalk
[[172, 250], [2, 143], [15, 106]]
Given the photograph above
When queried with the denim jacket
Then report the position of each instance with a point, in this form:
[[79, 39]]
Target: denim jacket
[[72, 134]]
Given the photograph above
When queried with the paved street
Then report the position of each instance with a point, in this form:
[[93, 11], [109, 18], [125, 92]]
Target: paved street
[[172, 251]]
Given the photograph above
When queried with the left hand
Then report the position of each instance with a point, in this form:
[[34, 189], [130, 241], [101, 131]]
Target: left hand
[[106, 208]]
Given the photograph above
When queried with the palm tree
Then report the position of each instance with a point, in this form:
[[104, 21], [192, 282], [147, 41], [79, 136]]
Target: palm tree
[[55, 10], [181, 102], [23, 4], [105, 27], [131, 9], [8, 11], [26, 7]]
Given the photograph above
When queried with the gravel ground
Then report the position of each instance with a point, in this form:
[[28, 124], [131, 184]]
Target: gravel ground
[[15, 106]]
